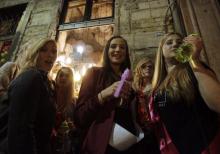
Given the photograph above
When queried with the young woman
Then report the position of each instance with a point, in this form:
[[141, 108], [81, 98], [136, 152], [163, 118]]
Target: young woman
[[104, 117], [185, 99], [32, 108], [143, 74], [63, 142]]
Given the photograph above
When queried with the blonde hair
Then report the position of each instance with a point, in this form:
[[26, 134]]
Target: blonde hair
[[65, 95], [8, 72], [28, 56], [138, 81], [178, 82]]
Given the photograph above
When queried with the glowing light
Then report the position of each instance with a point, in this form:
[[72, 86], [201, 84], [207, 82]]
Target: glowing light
[[91, 65], [80, 49], [68, 60], [61, 58], [83, 70], [77, 77]]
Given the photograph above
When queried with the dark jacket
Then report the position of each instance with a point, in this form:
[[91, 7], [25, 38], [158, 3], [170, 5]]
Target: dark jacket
[[97, 120], [31, 114]]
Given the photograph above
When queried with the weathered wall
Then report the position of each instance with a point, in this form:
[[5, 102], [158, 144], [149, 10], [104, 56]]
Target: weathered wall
[[40, 19], [141, 22], [8, 3]]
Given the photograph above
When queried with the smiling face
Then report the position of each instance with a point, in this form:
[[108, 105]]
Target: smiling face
[[117, 51], [170, 45], [47, 56]]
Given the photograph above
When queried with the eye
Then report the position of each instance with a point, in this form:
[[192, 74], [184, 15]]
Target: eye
[[169, 42], [122, 47], [113, 46]]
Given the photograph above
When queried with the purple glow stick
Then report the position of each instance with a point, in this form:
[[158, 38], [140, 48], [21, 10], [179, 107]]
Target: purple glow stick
[[124, 76]]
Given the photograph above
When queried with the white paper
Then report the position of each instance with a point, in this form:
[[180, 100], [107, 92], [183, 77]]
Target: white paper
[[121, 139]]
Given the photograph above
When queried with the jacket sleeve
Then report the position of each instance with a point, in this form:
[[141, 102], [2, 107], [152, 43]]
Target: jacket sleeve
[[87, 106], [24, 96]]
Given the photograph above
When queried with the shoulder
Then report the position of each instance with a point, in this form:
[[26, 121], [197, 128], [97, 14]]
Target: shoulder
[[94, 71], [30, 76]]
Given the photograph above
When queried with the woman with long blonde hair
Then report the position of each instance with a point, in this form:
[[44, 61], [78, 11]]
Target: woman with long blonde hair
[[31, 99], [185, 99], [65, 103]]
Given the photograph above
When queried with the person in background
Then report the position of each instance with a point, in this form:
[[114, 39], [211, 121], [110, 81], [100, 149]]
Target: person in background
[[143, 74], [31, 99], [64, 136], [185, 100], [101, 115], [8, 72]]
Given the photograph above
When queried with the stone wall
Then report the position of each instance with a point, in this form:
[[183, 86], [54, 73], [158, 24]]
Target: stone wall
[[142, 23], [39, 20], [9, 3]]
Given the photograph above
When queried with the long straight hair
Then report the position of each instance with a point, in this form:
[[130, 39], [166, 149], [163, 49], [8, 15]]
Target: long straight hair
[[178, 82], [65, 95]]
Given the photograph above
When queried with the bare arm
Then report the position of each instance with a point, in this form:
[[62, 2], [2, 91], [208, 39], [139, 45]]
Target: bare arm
[[208, 84]]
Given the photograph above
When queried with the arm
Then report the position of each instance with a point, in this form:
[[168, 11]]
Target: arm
[[88, 104], [23, 97], [208, 84]]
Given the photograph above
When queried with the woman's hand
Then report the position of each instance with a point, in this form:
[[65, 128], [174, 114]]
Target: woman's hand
[[197, 45], [109, 91]]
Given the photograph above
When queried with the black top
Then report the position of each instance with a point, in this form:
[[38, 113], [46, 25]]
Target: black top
[[190, 126], [31, 114]]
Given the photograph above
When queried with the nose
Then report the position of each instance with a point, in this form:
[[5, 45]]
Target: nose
[[175, 44], [117, 48]]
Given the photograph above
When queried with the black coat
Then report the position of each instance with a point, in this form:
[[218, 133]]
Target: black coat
[[31, 114]]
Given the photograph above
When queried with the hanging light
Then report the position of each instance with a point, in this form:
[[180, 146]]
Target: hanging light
[[80, 49]]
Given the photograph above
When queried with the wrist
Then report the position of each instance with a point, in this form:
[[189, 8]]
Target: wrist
[[101, 97], [195, 63]]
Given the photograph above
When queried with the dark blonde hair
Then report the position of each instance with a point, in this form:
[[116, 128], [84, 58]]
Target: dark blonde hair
[[28, 58], [65, 95], [138, 79], [178, 82]]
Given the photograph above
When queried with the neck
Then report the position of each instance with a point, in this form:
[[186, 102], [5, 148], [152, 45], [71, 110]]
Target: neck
[[146, 80], [116, 69], [170, 64]]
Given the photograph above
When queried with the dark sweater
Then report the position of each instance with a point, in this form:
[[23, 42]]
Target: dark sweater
[[32, 113]]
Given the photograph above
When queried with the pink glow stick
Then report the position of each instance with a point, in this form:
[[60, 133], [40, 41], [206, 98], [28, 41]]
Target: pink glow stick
[[124, 76]]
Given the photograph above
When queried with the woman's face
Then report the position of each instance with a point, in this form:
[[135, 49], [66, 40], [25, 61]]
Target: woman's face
[[64, 78], [147, 69], [117, 51], [47, 56], [170, 45]]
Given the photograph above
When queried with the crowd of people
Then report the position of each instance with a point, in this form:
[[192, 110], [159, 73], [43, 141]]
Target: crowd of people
[[164, 106]]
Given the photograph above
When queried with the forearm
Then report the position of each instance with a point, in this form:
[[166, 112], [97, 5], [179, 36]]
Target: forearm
[[208, 85]]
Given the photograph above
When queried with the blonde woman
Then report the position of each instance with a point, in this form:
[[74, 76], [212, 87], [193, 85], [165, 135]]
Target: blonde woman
[[32, 108], [8, 71], [64, 115], [143, 74], [186, 99]]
